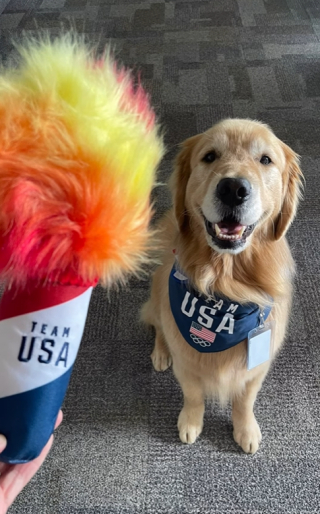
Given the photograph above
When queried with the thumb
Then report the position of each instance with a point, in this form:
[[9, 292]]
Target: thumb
[[3, 443]]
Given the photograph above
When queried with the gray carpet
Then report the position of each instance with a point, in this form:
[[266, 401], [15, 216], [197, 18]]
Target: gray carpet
[[118, 449]]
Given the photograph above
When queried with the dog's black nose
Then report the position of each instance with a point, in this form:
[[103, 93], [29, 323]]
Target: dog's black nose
[[233, 191]]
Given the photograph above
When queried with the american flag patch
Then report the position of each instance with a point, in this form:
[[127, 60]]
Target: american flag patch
[[202, 332]]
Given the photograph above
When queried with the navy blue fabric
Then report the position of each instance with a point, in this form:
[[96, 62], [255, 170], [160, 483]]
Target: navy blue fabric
[[27, 419], [210, 325]]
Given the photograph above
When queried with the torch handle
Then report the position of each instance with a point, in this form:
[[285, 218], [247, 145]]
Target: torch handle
[[40, 334]]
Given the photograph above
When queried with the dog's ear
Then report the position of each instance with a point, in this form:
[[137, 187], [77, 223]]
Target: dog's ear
[[292, 184], [179, 180]]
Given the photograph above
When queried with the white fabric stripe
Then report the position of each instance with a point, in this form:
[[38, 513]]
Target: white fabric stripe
[[179, 276], [24, 366]]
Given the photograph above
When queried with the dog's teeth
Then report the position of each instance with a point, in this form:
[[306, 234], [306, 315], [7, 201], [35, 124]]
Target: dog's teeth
[[240, 234], [232, 237]]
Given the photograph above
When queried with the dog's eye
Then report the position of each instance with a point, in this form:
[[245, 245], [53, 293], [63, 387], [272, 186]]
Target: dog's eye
[[265, 160], [209, 157]]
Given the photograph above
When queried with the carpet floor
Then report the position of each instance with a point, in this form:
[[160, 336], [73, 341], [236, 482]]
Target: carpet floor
[[117, 451]]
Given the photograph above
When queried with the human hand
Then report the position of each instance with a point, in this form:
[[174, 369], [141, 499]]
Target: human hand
[[14, 477]]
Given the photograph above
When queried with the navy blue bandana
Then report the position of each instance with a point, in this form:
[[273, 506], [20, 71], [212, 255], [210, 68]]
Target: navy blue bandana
[[210, 325]]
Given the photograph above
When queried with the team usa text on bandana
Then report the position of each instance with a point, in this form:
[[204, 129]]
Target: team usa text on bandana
[[210, 325], [200, 331]]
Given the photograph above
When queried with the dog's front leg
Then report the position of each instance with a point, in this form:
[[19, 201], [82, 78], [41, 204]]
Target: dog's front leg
[[161, 358], [190, 419], [246, 431]]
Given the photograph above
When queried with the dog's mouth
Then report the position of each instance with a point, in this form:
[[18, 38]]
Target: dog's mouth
[[228, 233]]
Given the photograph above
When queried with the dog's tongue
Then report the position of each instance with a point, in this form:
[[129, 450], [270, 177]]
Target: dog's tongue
[[229, 227]]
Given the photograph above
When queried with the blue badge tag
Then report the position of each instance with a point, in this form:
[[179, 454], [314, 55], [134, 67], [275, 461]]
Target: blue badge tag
[[260, 345]]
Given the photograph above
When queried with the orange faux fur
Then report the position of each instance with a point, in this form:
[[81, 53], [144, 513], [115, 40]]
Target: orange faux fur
[[78, 154]]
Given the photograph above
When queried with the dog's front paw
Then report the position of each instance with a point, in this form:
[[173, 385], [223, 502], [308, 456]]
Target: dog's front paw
[[248, 436], [161, 359], [189, 427]]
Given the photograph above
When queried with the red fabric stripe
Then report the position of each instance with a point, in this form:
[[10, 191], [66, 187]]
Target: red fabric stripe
[[16, 302], [35, 272]]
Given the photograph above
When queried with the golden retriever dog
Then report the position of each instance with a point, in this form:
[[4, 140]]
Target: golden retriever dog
[[235, 192]]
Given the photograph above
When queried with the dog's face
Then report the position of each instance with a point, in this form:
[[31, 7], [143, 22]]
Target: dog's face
[[235, 181]]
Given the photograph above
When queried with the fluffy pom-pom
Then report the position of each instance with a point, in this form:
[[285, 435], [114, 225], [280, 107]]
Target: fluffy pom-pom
[[78, 152]]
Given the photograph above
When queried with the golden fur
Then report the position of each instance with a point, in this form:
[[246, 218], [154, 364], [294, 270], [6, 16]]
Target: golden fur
[[264, 267]]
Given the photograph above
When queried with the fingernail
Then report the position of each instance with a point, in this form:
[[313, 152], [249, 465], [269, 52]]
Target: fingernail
[[3, 442]]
